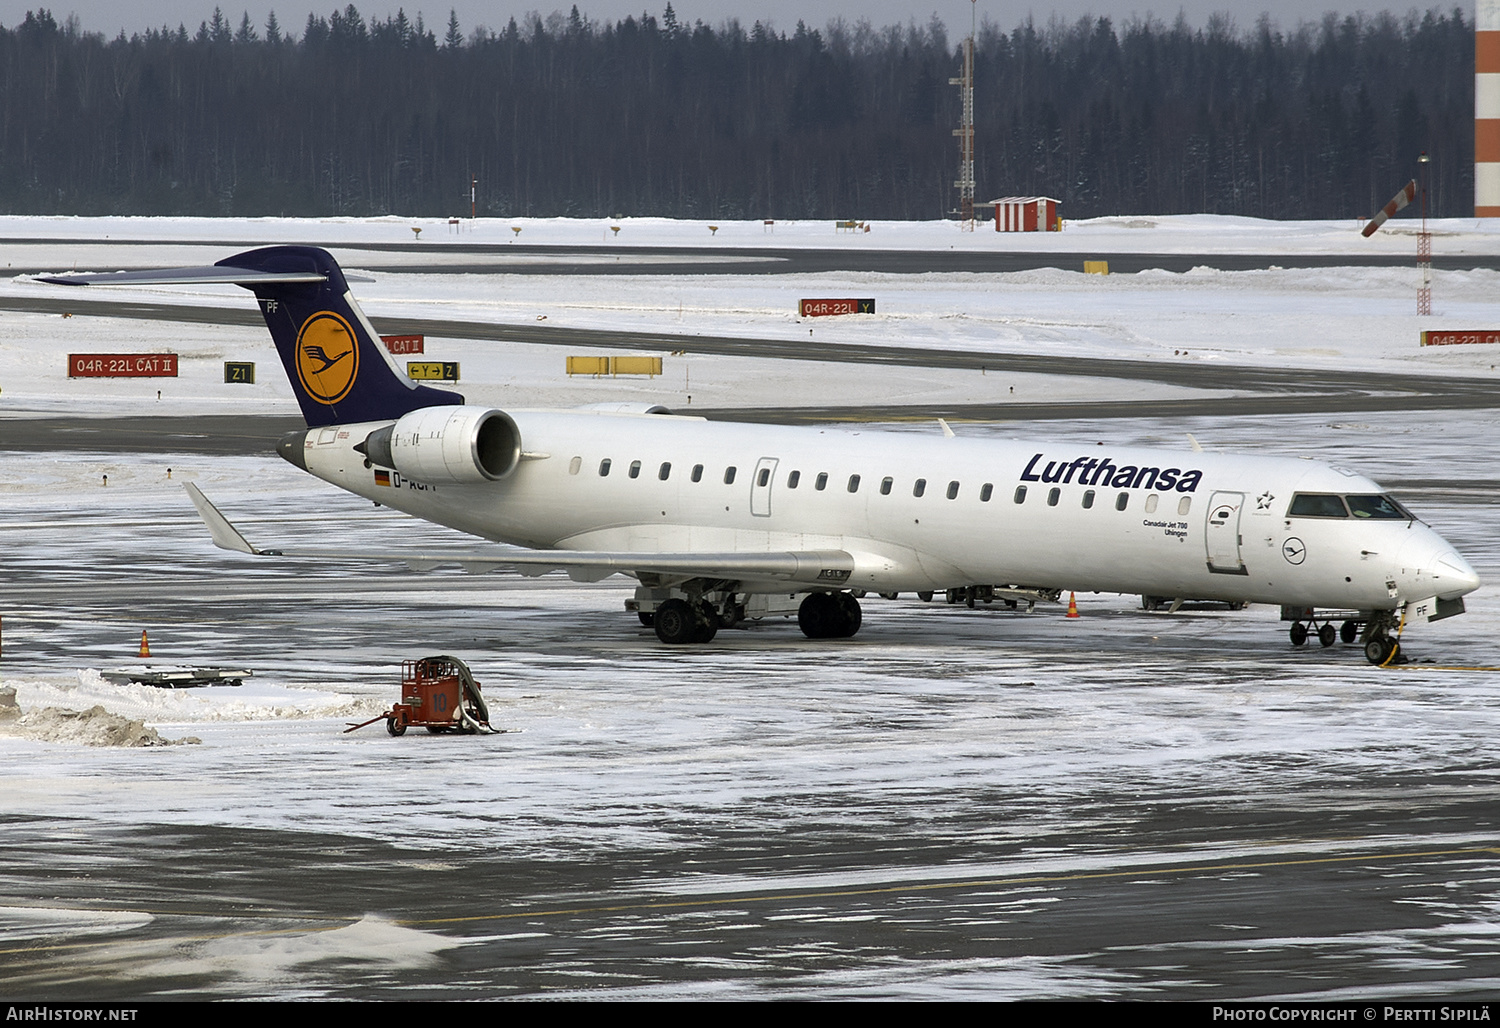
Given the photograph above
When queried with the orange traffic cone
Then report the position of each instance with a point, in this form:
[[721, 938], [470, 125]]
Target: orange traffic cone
[[1072, 609], [145, 646]]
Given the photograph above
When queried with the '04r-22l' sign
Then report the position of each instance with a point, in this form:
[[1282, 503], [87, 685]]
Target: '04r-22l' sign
[[824, 308], [1469, 336], [122, 365]]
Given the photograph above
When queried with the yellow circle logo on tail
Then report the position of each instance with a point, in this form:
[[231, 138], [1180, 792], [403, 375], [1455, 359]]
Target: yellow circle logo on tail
[[327, 357]]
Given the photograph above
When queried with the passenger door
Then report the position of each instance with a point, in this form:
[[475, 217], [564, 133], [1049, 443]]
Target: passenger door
[[1222, 534]]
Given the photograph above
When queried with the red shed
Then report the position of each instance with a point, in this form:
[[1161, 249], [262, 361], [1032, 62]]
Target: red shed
[[1025, 214]]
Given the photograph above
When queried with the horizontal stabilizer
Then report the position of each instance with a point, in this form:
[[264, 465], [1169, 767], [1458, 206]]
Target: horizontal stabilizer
[[338, 369], [210, 275]]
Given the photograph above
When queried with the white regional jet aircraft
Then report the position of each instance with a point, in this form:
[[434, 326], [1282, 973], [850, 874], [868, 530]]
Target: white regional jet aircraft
[[721, 521]]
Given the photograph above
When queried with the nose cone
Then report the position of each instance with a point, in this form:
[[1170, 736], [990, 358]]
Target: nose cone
[[1430, 566], [1456, 577]]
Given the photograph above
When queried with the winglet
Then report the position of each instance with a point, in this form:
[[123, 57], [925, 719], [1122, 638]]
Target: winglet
[[225, 535]]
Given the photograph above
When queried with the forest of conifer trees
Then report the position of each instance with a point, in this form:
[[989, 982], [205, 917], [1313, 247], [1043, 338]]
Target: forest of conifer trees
[[649, 116]]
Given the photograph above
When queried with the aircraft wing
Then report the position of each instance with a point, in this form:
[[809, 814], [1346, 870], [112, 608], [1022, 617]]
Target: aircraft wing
[[827, 567]]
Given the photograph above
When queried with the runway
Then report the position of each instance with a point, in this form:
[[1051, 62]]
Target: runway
[[511, 258], [1241, 390]]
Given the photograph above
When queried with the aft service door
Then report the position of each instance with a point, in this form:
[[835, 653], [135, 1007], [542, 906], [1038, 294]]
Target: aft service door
[[1222, 534], [760, 487]]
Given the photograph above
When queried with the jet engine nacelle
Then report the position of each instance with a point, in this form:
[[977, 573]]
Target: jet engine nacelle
[[448, 444]]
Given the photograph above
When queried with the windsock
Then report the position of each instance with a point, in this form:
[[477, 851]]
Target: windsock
[[1407, 195]]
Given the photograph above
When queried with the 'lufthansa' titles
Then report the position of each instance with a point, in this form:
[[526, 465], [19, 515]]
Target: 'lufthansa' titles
[[1107, 474]]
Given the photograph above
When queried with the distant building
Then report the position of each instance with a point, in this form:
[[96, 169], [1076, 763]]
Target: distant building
[[1025, 213]]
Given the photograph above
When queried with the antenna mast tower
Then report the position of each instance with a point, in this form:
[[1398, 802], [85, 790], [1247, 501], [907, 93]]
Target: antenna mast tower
[[965, 131]]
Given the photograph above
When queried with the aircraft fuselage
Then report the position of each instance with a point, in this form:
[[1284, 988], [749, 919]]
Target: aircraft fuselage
[[921, 512]]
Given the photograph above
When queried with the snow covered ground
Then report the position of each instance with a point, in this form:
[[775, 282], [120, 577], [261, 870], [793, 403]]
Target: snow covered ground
[[976, 804], [1197, 233], [1331, 318]]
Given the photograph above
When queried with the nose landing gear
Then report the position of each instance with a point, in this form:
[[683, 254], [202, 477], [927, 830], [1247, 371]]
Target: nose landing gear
[[1382, 650], [1376, 629]]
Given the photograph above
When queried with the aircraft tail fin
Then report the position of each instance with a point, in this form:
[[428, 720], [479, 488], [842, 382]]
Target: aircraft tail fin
[[338, 367], [339, 370]]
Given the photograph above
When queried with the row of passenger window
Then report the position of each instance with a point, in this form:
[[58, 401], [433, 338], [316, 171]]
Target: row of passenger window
[[1316, 505], [663, 473], [887, 484], [793, 479], [1122, 500]]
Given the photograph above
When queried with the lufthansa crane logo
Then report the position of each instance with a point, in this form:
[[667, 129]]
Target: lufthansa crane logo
[[327, 357]]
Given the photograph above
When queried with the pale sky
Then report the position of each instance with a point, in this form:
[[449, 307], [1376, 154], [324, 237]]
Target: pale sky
[[110, 16]]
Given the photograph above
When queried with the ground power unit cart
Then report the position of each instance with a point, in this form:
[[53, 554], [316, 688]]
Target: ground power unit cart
[[438, 694]]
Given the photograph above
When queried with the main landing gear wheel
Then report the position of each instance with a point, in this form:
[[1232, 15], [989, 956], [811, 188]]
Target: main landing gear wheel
[[675, 622], [829, 616], [853, 616], [647, 618], [1298, 633], [678, 622], [708, 622], [1327, 635], [732, 614], [1383, 650]]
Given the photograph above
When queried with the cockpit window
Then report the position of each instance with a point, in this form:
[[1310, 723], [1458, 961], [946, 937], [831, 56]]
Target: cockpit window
[[1317, 505], [1371, 506]]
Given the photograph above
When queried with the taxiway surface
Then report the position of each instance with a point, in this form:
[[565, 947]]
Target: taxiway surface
[[954, 804]]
